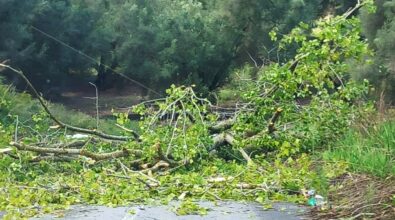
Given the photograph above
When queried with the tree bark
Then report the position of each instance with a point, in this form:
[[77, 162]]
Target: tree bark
[[82, 152]]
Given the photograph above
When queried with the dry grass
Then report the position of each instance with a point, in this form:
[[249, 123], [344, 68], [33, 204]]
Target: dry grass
[[359, 197]]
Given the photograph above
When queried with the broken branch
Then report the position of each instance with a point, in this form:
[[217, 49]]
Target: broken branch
[[59, 122], [224, 138], [222, 125], [271, 128], [82, 152]]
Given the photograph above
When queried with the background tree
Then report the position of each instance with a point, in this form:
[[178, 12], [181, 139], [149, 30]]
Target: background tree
[[379, 29], [26, 43], [15, 39], [157, 42]]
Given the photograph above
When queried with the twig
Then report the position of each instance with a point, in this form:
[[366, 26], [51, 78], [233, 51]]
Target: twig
[[184, 124], [134, 133], [365, 206], [213, 195], [362, 214], [119, 176], [97, 105], [16, 129], [256, 64], [129, 178], [169, 147], [138, 172]]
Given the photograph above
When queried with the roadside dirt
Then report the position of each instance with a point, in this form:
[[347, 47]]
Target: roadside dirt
[[81, 96], [358, 196]]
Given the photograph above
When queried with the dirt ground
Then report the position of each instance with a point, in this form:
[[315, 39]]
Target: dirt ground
[[80, 95]]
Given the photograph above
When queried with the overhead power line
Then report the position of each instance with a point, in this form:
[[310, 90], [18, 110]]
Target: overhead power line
[[93, 59]]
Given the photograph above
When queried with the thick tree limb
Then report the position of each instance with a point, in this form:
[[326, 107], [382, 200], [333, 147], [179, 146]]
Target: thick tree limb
[[224, 138], [219, 140], [59, 122], [270, 126], [159, 165], [52, 158], [230, 140], [74, 144], [352, 10], [222, 125], [273, 120], [81, 152], [5, 150]]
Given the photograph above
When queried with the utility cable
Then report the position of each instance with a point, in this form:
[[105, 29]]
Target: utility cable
[[93, 59]]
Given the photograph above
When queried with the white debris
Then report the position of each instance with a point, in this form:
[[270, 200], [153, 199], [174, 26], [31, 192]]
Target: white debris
[[320, 201], [77, 136], [5, 150]]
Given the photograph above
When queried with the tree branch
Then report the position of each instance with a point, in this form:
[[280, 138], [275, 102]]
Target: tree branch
[[271, 128], [52, 158], [222, 125], [224, 138], [82, 152], [352, 10], [74, 144], [59, 122]]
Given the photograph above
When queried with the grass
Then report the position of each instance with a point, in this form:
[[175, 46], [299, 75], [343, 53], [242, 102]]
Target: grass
[[24, 106], [371, 151], [83, 120]]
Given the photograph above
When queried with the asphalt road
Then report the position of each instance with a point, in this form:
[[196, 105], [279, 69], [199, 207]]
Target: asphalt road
[[220, 211]]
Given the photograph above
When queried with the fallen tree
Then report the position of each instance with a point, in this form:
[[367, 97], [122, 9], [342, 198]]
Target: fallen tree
[[178, 107], [181, 129], [184, 149]]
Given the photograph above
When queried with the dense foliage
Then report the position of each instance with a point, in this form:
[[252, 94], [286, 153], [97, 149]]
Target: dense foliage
[[166, 41], [379, 29]]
